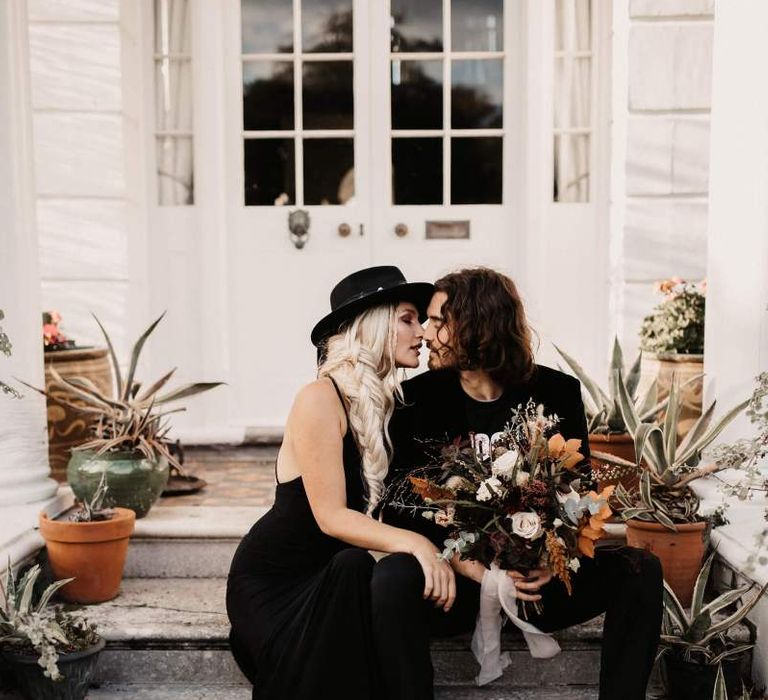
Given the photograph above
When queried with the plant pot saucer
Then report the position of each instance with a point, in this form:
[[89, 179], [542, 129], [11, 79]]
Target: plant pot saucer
[[179, 485]]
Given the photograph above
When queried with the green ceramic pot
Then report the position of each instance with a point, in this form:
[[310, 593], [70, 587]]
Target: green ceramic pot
[[133, 481]]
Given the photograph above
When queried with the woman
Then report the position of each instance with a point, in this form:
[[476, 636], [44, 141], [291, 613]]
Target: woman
[[299, 589]]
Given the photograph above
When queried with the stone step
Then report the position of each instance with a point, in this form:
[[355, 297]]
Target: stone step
[[169, 630]]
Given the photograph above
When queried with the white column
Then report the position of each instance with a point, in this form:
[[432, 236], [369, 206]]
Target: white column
[[737, 269], [23, 442]]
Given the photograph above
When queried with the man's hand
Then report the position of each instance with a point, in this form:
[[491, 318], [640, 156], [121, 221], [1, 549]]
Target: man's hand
[[528, 586], [468, 567]]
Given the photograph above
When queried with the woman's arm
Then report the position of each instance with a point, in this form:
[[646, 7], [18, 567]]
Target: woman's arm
[[315, 429]]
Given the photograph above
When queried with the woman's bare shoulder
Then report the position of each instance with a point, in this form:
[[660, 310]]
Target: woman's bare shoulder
[[317, 400]]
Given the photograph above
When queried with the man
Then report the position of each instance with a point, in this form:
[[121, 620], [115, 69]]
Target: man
[[481, 362]]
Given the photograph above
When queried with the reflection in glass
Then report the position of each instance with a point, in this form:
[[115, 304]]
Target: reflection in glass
[[417, 171], [172, 27], [571, 168], [267, 95], [573, 20], [327, 95], [417, 94], [175, 184], [476, 170], [326, 25], [572, 92], [267, 26], [477, 25], [417, 25], [329, 174], [269, 172], [173, 95], [477, 88]]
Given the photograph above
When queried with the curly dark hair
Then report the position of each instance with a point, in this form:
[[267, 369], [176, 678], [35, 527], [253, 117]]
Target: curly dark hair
[[489, 330]]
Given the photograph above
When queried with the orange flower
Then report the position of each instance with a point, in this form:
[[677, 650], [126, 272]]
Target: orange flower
[[593, 526], [429, 491], [565, 452]]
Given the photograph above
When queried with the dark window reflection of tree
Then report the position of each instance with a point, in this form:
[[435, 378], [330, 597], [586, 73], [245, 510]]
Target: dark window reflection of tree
[[403, 39], [335, 36], [268, 102], [473, 108], [417, 100]]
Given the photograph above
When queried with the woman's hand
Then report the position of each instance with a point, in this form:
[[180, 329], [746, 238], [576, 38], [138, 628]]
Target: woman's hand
[[439, 579], [528, 586]]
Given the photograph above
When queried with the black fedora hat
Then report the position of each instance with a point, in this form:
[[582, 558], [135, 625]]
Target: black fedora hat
[[367, 288]]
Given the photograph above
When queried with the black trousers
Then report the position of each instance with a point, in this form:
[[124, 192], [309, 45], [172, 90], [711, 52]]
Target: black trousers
[[622, 582]]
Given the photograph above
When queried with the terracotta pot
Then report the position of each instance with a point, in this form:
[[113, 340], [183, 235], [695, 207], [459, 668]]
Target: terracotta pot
[[662, 367], [94, 553], [681, 553], [66, 427], [619, 445]]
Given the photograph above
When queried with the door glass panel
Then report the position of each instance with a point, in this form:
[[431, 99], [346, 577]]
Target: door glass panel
[[573, 20], [326, 25], [476, 94], [417, 171], [477, 25], [267, 26], [175, 177], [476, 170], [172, 27], [572, 92], [571, 168], [417, 94], [329, 176], [269, 172], [267, 95], [328, 95], [417, 25]]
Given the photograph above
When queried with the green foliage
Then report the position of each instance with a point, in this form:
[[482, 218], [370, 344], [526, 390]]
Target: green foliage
[[677, 323], [5, 349]]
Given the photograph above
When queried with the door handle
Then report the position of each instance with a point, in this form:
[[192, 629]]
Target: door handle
[[401, 230]]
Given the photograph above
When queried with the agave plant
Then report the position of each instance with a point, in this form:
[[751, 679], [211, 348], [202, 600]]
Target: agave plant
[[603, 410], [664, 494], [133, 421], [28, 625], [703, 633]]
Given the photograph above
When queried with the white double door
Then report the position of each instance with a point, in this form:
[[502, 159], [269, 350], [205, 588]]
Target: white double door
[[393, 125]]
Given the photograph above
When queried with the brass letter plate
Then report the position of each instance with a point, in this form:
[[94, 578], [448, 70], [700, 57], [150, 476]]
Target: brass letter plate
[[447, 229]]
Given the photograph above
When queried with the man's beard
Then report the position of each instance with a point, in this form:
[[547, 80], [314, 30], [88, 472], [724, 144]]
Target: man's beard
[[440, 359]]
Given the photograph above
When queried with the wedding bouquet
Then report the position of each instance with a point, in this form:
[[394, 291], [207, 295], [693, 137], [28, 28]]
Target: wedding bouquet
[[510, 500]]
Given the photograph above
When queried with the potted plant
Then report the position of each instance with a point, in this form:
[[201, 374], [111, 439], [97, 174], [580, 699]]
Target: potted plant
[[51, 653], [608, 432], [88, 547], [129, 438], [699, 644], [68, 426], [662, 513], [672, 341]]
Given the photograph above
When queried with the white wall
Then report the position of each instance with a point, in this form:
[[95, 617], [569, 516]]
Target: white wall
[[666, 165]]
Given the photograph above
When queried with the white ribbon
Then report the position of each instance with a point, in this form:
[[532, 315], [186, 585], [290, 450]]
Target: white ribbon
[[498, 592]]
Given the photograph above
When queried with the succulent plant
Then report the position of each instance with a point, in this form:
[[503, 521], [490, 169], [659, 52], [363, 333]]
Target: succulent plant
[[603, 410], [664, 494], [133, 421]]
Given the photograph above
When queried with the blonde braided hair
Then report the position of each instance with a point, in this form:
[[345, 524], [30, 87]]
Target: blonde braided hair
[[361, 359]]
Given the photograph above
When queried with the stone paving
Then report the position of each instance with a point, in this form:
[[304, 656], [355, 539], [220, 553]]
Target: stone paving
[[244, 475]]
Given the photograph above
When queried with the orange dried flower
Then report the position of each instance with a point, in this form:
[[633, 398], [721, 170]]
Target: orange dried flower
[[593, 527], [565, 451], [558, 560], [427, 490]]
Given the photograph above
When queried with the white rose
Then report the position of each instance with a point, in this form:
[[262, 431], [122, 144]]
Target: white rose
[[504, 465], [444, 519], [489, 488], [526, 525], [522, 478]]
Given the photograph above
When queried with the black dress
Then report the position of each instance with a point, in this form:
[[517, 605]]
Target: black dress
[[299, 601]]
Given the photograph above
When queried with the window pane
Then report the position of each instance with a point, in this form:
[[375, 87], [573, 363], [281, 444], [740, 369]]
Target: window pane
[[417, 94], [417, 171], [476, 170], [477, 25], [329, 175], [267, 95], [573, 25], [572, 92], [328, 97], [172, 27], [571, 168], [477, 88], [269, 172], [417, 25], [267, 26], [326, 25], [174, 171]]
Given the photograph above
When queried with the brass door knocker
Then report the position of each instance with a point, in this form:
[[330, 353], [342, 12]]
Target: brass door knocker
[[298, 225]]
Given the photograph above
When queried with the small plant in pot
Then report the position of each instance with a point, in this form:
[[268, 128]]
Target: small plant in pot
[[702, 642], [662, 512], [89, 547], [130, 433], [608, 432], [51, 653]]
